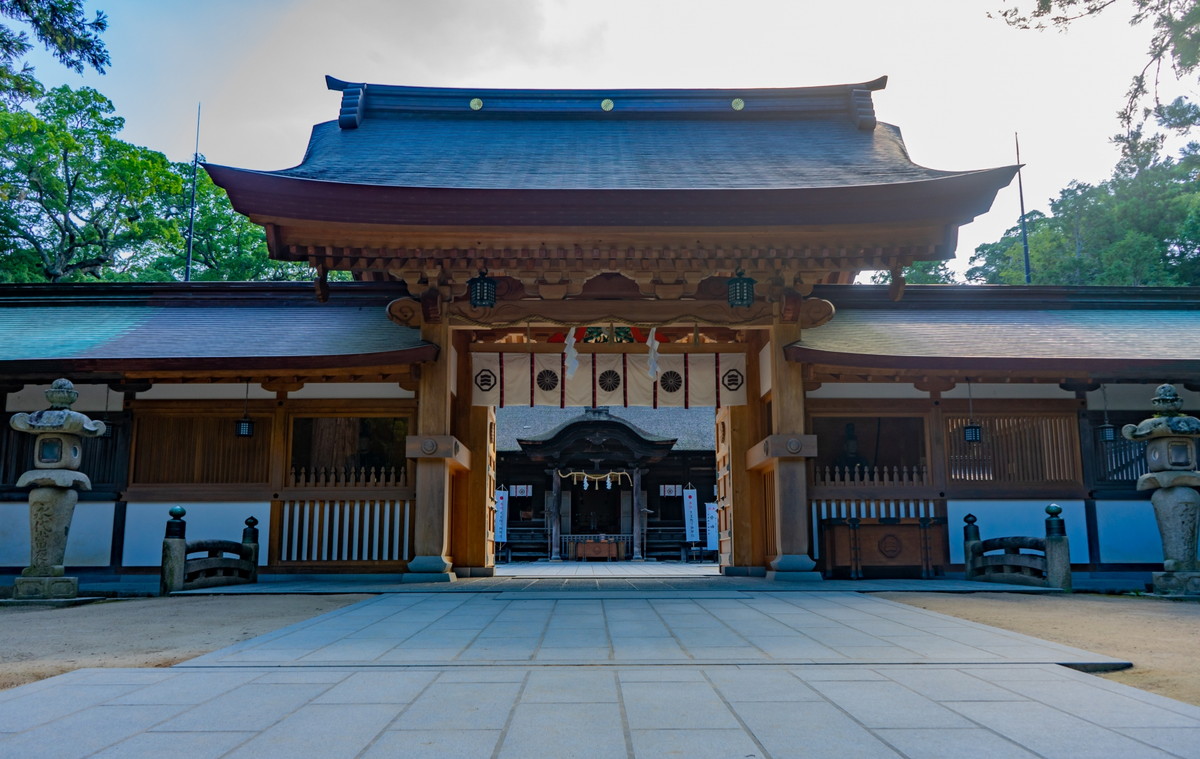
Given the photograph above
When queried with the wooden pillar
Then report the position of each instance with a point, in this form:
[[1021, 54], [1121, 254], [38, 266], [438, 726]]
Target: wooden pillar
[[790, 473], [555, 516], [475, 488], [742, 497], [638, 515], [431, 511]]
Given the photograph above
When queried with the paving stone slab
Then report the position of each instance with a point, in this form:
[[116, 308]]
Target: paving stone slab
[[762, 710]]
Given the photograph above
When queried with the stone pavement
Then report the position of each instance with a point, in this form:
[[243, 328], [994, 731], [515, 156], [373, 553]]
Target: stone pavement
[[513, 674]]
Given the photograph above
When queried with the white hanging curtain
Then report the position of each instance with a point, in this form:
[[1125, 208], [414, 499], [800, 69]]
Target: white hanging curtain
[[609, 379]]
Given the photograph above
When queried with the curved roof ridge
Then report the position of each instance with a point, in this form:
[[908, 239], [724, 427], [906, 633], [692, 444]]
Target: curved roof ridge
[[591, 416], [362, 100]]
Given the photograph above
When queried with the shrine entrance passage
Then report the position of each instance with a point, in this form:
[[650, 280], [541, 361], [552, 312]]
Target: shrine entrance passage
[[588, 485], [607, 569]]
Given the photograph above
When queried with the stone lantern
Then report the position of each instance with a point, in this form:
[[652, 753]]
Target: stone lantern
[[55, 479], [1170, 437]]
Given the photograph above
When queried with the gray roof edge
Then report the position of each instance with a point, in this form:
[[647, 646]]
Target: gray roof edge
[[659, 100]]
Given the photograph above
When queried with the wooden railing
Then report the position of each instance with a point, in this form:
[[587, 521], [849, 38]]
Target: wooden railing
[[343, 529], [348, 477], [894, 476], [1046, 563], [1121, 460], [874, 508], [225, 562]]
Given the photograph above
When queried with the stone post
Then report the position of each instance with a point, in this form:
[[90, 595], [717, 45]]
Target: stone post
[[250, 542], [174, 553], [55, 480], [1058, 551], [971, 541], [1170, 438]]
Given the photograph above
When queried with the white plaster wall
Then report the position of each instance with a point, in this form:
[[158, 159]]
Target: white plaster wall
[[91, 398], [1128, 532], [145, 523], [866, 390], [89, 543], [764, 370], [352, 390], [203, 391], [1002, 519], [1006, 390], [1137, 398]]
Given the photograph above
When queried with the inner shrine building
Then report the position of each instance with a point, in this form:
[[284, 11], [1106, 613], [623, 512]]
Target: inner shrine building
[[634, 263]]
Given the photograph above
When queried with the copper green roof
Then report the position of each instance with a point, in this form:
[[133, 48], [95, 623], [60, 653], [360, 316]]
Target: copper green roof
[[1119, 332], [210, 326]]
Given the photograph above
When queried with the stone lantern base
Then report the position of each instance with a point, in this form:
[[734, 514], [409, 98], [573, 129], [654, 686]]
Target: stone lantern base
[[36, 588], [1181, 585]]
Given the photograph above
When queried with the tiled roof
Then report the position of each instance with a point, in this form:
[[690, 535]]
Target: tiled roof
[[415, 137], [692, 429], [1000, 338], [159, 330]]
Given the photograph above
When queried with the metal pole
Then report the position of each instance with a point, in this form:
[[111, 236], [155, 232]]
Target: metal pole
[[555, 527], [1021, 195], [187, 269], [638, 518]]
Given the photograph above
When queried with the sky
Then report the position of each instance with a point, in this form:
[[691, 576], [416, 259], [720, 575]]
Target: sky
[[960, 84]]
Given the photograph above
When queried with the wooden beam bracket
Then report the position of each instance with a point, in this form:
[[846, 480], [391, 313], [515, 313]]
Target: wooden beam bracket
[[774, 447], [445, 447]]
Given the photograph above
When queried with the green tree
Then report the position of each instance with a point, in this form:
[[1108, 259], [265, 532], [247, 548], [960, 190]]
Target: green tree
[[226, 244], [1139, 228], [62, 27], [73, 197], [920, 273], [1174, 46]]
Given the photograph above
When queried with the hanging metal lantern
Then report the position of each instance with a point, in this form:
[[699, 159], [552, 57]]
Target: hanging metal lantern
[[1108, 432], [741, 290], [482, 290], [244, 427], [972, 431]]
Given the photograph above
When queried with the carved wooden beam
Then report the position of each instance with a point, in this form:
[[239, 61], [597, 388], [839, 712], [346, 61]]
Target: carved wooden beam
[[934, 384], [635, 313], [283, 385]]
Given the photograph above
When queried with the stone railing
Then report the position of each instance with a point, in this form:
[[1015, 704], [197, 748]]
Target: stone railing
[[1048, 567], [215, 568]]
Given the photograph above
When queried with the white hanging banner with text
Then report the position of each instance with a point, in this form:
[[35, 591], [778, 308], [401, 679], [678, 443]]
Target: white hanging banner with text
[[691, 516], [711, 522], [501, 531], [682, 380]]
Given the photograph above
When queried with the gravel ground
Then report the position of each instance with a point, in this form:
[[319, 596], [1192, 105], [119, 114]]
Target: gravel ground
[[1158, 636]]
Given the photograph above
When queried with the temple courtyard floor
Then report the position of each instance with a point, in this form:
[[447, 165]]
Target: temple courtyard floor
[[536, 666]]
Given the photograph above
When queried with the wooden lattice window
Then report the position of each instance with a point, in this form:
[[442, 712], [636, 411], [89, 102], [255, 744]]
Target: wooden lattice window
[[348, 450], [1015, 448]]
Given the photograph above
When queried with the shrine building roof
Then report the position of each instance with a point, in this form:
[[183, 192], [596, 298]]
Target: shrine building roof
[[393, 153], [201, 327], [1119, 333]]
